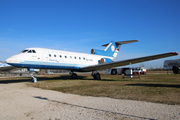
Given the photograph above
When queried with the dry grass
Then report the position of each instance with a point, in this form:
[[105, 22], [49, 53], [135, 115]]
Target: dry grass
[[159, 88]]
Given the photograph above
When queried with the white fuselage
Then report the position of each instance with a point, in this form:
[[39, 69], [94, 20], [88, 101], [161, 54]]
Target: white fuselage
[[42, 58]]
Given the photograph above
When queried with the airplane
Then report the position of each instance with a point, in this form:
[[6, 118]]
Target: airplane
[[4, 67], [41, 58]]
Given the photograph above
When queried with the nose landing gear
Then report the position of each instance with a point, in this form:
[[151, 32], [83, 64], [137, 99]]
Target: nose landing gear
[[34, 79]]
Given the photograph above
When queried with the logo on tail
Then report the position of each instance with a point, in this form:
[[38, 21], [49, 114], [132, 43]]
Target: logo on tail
[[112, 48]]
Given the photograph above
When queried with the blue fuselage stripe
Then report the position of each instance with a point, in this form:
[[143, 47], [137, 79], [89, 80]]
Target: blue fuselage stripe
[[47, 65]]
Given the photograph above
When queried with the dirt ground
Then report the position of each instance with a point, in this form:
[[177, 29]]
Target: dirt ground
[[19, 102]]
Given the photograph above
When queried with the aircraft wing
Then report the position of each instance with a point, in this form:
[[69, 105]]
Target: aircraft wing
[[126, 62], [7, 68]]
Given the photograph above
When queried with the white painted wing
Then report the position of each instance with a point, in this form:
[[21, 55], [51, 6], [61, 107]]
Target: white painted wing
[[126, 62]]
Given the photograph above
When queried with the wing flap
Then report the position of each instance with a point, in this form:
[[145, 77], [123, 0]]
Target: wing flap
[[127, 62]]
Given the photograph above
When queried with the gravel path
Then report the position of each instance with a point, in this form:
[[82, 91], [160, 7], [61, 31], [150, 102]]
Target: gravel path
[[20, 102]]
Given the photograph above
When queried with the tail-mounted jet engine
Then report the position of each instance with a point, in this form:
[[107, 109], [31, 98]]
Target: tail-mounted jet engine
[[97, 52], [105, 60]]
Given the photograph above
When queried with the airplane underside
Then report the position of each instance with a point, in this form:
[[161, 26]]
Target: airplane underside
[[72, 69]]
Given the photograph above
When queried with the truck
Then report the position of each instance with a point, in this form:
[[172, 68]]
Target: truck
[[119, 71], [115, 71], [139, 70], [173, 65]]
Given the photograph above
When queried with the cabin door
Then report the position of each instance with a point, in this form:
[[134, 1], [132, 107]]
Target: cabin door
[[44, 58]]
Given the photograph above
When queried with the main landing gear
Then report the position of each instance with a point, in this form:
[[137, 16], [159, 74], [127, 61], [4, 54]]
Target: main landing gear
[[73, 75], [95, 74]]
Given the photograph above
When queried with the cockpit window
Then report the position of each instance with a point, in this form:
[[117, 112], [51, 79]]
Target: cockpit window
[[24, 51], [33, 51], [30, 51]]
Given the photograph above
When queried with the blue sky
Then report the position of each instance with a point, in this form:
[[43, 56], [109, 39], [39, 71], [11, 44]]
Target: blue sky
[[80, 25]]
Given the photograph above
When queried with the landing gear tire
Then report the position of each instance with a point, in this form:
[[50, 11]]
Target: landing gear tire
[[114, 72], [175, 70], [97, 76], [74, 76]]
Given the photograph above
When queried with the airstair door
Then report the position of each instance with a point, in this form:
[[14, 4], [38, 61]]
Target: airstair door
[[45, 58]]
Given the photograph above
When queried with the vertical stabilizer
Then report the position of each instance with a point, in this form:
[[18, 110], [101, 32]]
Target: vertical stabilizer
[[112, 49]]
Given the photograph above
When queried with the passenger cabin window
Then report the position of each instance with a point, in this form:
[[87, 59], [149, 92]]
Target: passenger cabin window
[[49, 55], [60, 56], [65, 56], [54, 55]]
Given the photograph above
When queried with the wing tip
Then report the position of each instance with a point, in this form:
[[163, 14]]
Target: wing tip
[[174, 53]]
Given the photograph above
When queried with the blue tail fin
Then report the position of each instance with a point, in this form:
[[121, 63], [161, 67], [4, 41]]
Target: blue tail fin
[[111, 49]]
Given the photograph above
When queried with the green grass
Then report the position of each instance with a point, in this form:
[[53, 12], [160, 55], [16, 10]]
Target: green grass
[[159, 88]]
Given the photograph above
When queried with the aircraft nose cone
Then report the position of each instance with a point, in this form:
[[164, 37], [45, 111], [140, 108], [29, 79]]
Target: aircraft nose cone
[[12, 59], [9, 60]]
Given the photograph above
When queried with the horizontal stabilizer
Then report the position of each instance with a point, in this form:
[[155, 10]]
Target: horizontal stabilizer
[[122, 42]]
